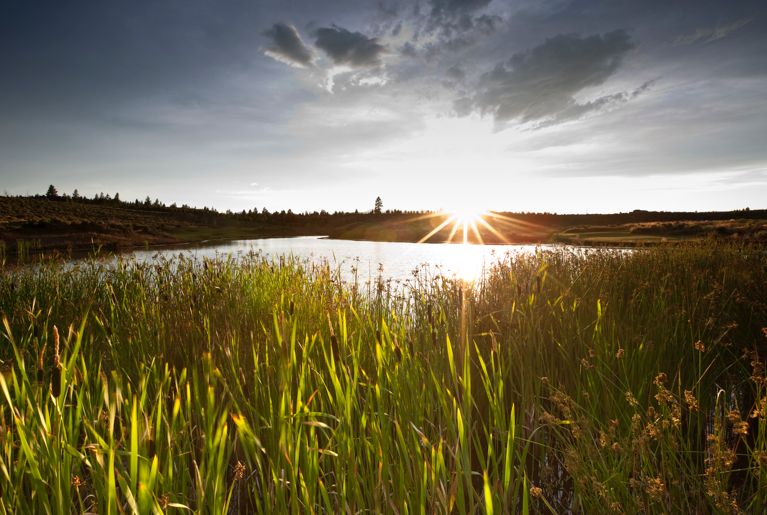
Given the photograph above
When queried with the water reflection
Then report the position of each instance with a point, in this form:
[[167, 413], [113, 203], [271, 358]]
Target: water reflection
[[364, 260]]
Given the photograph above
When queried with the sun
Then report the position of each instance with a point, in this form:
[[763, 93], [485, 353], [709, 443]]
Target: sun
[[467, 215], [463, 221], [468, 223]]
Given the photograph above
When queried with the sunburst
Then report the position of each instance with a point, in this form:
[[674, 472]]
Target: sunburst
[[466, 224], [462, 222]]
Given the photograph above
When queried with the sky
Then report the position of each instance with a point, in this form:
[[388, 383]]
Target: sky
[[511, 105]]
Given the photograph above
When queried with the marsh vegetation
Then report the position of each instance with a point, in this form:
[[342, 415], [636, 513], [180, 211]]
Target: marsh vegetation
[[558, 382]]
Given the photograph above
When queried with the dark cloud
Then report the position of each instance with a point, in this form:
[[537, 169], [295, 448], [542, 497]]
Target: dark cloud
[[388, 10], [487, 24], [452, 26], [440, 7], [349, 48], [409, 50], [288, 46], [540, 84], [455, 73]]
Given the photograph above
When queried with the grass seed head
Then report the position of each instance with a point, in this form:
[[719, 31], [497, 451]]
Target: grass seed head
[[655, 488], [41, 364], [56, 371], [239, 471]]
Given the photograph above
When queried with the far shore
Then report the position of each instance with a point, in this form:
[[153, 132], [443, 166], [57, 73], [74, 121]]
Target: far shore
[[40, 225]]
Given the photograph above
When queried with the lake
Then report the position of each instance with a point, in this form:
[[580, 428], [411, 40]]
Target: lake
[[370, 259]]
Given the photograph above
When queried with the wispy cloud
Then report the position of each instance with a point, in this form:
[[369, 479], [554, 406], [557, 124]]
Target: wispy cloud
[[709, 34]]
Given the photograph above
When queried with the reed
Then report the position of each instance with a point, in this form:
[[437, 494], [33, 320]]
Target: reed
[[559, 382]]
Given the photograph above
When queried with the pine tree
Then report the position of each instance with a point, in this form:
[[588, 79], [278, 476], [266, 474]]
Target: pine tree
[[378, 206], [52, 192]]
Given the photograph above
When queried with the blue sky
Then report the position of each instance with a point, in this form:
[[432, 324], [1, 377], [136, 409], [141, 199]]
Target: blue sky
[[553, 105]]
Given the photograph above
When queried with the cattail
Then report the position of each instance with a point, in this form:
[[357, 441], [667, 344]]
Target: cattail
[[56, 372]]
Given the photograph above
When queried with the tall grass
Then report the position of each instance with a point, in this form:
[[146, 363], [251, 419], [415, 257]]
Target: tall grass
[[560, 382]]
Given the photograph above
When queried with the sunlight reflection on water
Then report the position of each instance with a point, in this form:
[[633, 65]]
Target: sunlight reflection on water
[[370, 259]]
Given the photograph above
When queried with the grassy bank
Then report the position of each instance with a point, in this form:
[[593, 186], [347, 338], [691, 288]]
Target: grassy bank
[[632, 382]]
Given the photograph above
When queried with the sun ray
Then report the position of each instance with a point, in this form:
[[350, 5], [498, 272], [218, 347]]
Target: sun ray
[[515, 221], [493, 230], [475, 230], [468, 225], [452, 233], [436, 230]]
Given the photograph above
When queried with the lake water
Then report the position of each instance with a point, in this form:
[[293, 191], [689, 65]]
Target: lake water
[[370, 259]]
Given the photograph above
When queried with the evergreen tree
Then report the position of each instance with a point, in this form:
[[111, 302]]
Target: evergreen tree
[[52, 192], [378, 206]]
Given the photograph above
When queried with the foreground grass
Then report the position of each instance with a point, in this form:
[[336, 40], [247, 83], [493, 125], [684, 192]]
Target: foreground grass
[[632, 382]]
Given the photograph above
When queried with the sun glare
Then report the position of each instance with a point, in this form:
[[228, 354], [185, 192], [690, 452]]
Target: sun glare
[[465, 220], [469, 224], [467, 215]]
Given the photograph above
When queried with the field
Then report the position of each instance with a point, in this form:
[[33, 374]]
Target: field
[[560, 382]]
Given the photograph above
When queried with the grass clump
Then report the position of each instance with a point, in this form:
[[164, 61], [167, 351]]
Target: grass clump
[[559, 382]]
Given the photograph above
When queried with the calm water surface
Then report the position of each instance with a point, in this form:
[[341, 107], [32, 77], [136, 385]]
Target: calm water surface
[[392, 260]]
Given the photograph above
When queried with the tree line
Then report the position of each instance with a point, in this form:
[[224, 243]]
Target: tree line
[[252, 214]]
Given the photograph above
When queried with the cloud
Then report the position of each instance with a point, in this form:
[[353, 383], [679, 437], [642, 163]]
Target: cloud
[[349, 48], [539, 85], [577, 110], [453, 31], [456, 73], [288, 46], [408, 50], [710, 34], [439, 7]]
